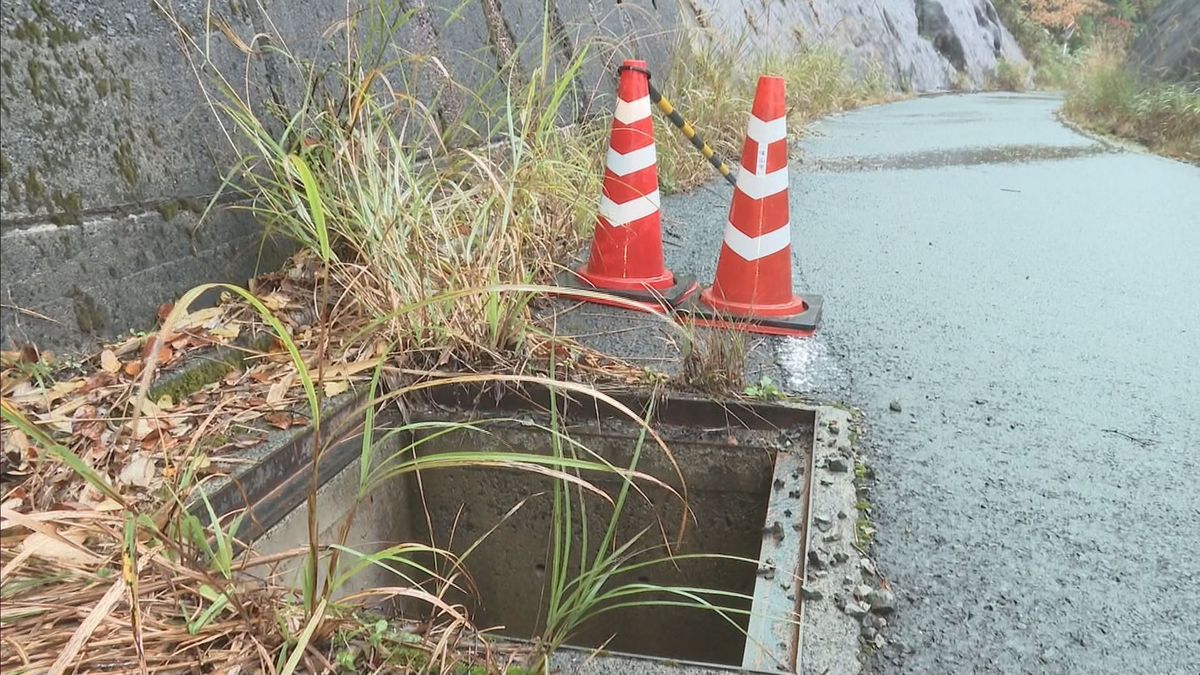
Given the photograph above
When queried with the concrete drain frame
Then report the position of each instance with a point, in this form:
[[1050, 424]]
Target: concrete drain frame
[[747, 465]]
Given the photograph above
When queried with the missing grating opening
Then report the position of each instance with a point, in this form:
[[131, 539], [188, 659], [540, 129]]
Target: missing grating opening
[[730, 458], [727, 491]]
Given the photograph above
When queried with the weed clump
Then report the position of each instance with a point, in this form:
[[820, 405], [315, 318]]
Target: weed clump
[[1011, 76], [1107, 97], [714, 361]]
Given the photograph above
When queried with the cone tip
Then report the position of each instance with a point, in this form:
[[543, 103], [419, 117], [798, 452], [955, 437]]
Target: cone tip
[[770, 83], [770, 97]]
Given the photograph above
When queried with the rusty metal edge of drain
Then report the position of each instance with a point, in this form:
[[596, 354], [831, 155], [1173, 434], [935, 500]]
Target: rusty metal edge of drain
[[674, 408], [771, 639], [279, 478]]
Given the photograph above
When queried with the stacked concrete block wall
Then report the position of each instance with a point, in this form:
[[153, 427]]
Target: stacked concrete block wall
[[109, 155]]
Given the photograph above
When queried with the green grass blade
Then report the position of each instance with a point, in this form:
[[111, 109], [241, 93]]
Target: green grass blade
[[302, 643], [316, 207]]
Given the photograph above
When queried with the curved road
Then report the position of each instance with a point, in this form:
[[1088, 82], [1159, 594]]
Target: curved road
[[1030, 301], [1016, 309]]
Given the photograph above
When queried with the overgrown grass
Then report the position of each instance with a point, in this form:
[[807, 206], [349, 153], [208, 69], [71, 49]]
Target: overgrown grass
[[1102, 92], [1108, 98], [711, 91], [407, 201], [425, 229], [821, 81], [714, 89]]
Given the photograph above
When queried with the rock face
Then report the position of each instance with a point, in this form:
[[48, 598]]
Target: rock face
[[1169, 46], [920, 45]]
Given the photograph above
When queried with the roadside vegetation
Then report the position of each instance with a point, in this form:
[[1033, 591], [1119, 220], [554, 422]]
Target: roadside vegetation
[[714, 90], [1080, 47], [1011, 76], [428, 213], [1108, 98]]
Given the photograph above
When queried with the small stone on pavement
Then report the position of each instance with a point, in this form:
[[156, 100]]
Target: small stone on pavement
[[882, 602], [838, 464], [856, 609]]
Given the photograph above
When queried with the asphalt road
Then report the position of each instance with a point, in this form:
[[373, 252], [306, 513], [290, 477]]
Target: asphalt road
[[1031, 301]]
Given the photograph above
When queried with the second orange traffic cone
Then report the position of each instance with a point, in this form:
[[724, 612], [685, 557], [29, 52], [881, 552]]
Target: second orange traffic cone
[[752, 289], [627, 252]]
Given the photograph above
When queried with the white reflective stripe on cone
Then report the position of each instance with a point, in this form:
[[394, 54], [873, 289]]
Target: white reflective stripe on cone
[[635, 160], [765, 133], [753, 248], [629, 112], [758, 186], [619, 215]]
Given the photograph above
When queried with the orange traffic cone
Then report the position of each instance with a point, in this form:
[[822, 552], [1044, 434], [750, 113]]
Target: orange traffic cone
[[627, 250], [753, 286]]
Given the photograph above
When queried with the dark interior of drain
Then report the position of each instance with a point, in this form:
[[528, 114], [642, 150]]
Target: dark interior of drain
[[727, 470]]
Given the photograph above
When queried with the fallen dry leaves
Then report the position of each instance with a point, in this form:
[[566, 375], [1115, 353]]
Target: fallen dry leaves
[[56, 526]]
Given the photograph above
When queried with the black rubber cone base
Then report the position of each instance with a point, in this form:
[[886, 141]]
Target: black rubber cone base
[[803, 324], [659, 301]]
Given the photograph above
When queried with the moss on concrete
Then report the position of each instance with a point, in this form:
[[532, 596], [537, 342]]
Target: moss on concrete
[[194, 376], [126, 164], [168, 209], [35, 192], [38, 81], [55, 30], [89, 318], [204, 370], [68, 208]]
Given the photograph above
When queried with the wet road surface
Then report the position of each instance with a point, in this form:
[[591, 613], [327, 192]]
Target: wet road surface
[[1030, 300]]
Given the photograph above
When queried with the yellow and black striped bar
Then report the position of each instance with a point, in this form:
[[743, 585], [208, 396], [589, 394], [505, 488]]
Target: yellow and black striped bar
[[690, 132]]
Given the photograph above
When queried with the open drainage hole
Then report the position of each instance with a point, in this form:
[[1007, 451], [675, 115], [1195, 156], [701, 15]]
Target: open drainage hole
[[729, 507]]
